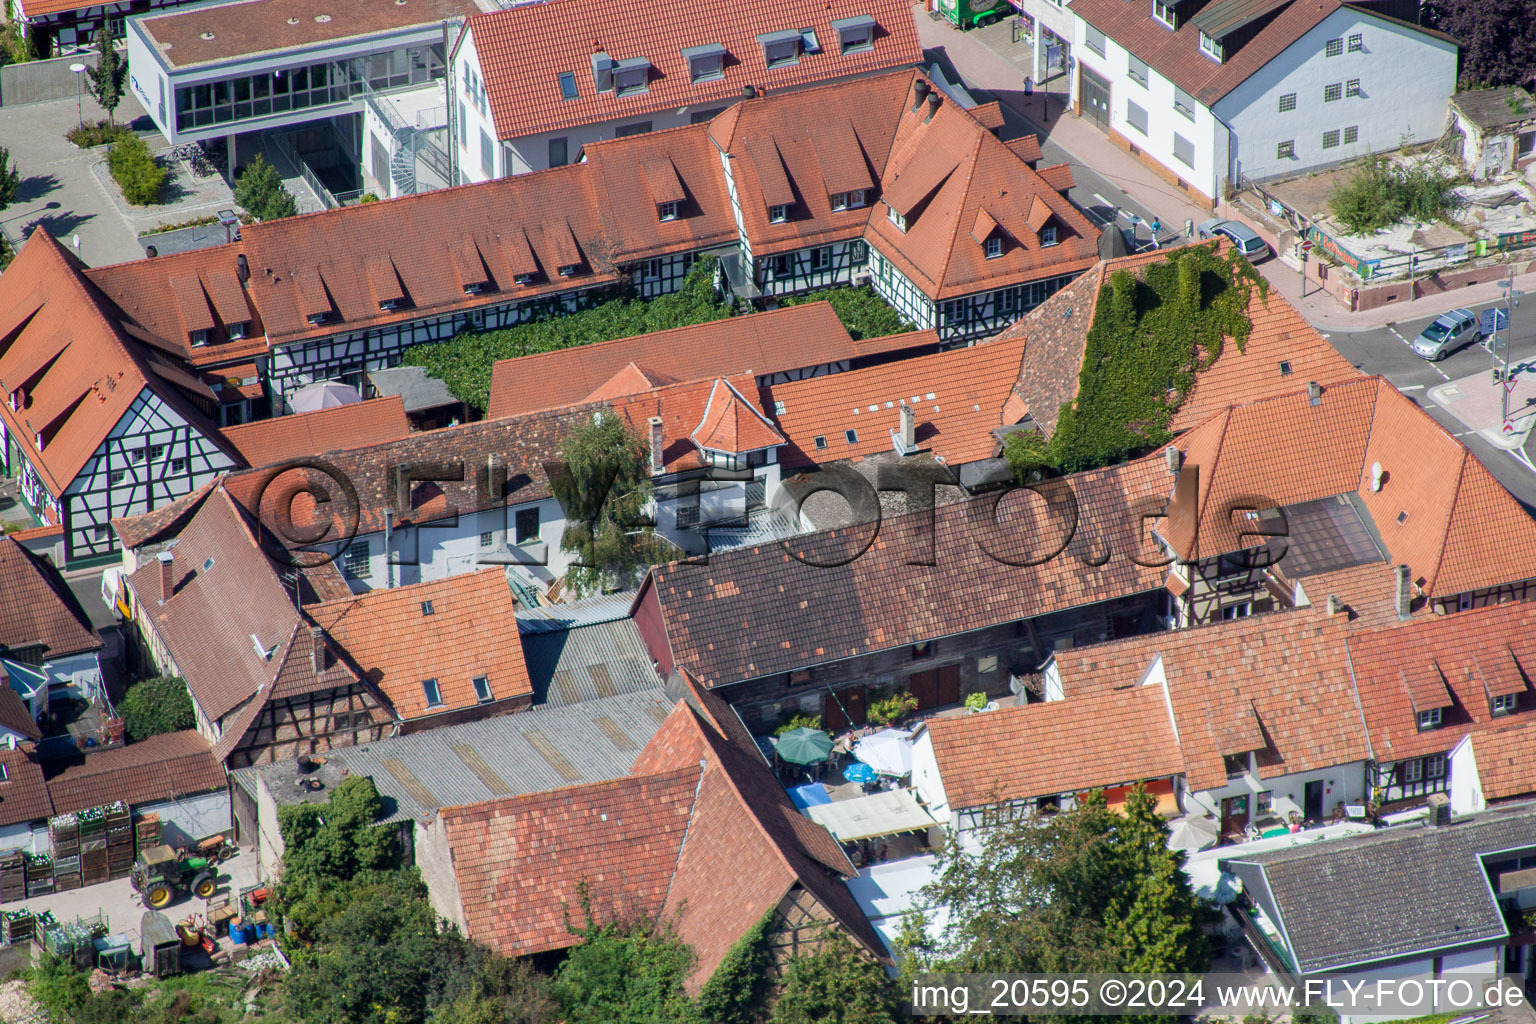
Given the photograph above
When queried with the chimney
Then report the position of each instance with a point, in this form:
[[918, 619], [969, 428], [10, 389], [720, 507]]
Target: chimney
[[317, 649], [1402, 593], [1314, 392], [166, 582], [151, 251], [920, 89], [658, 458], [1334, 604], [908, 428], [748, 92], [933, 106], [1439, 810], [1173, 458]]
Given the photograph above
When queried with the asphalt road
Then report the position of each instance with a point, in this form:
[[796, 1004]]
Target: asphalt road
[[1386, 351]]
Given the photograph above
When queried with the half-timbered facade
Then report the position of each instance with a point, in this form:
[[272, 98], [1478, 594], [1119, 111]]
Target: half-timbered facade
[[97, 423]]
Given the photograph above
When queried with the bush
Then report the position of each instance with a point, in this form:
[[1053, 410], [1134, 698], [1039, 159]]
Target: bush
[[887, 707], [260, 190], [367, 197], [1380, 194], [136, 171], [798, 721], [863, 313], [156, 706], [464, 362], [98, 133], [976, 701]]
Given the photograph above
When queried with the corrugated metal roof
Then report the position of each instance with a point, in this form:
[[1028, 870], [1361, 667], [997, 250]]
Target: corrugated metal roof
[[589, 662], [552, 617], [529, 752]]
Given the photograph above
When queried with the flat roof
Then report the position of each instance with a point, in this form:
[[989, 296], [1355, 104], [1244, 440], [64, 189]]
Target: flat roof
[[246, 28]]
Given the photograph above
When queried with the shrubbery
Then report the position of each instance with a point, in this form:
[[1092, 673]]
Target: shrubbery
[[260, 190], [157, 705], [98, 133], [136, 171], [865, 314], [1380, 194]]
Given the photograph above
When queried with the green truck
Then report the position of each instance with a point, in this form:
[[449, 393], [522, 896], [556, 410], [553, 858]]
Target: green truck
[[969, 14]]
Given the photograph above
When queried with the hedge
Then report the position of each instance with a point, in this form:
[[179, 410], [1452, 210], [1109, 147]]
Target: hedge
[[136, 171], [863, 313]]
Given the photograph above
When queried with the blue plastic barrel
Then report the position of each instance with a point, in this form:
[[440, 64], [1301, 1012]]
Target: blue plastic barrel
[[239, 934]]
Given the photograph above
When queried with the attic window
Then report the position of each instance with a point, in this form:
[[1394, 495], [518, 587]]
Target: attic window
[[5, 773], [778, 408], [780, 49], [199, 338], [432, 692], [569, 269], [994, 246], [667, 210], [896, 218], [482, 689], [1048, 235], [207, 565], [1285, 367], [632, 77], [1163, 13], [567, 85], [1429, 719], [854, 200], [1210, 47], [426, 607], [1502, 704], [821, 442], [1402, 517], [851, 436], [236, 331], [778, 214], [705, 63], [854, 34], [524, 278]]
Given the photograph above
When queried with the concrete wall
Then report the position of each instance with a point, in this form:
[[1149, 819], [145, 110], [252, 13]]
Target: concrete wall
[[435, 861], [1466, 786], [191, 818], [40, 80]]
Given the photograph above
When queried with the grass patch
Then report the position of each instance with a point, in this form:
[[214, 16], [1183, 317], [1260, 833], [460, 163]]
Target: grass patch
[[1380, 194], [98, 133], [863, 313], [1148, 338], [464, 362]]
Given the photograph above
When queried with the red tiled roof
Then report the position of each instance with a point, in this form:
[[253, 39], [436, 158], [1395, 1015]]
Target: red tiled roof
[[14, 713], [682, 408], [163, 767], [958, 397], [683, 162], [790, 338], [731, 424], [23, 793], [360, 425], [1056, 747], [629, 381], [1505, 768], [1473, 654], [395, 644], [523, 51], [37, 608]]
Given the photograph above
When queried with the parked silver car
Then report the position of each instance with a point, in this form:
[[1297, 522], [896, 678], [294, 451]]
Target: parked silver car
[[1447, 333], [1241, 235]]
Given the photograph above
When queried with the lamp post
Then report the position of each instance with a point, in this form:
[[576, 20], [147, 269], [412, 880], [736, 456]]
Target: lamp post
[[79, 70], [1511, 303]]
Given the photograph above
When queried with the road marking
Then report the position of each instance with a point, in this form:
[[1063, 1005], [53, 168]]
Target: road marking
[[1412, 387], [1441, 372]]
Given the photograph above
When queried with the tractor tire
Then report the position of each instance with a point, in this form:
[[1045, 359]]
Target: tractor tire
[[204, 885], [159, 895]]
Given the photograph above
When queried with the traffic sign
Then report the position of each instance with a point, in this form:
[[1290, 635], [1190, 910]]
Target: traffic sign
[[1307, 246], [1494, 319]]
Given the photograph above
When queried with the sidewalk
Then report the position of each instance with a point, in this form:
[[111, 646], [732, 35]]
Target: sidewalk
[[987, 59]]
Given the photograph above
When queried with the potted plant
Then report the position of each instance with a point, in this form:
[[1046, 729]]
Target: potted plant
[[888, 708], [975, 702]]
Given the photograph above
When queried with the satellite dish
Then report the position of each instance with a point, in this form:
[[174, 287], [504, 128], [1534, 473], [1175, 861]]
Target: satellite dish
[[1375, 476]]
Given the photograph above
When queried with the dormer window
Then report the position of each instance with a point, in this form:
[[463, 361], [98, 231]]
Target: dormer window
[[1048, 235], [705, 63], [1502, 704], [632, 76], [1210, 47], [524, 278], [668, 210], [317, 318], [389, 303], [850, 200], [993, 246], [778, 214], [199, 338], [1429, 719], [1163, 13], [569, 269], [237, 330], [780, 49], [896, 218], [854, 34]]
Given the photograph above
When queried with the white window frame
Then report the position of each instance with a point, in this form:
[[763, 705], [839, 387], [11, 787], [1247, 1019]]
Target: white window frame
[[1413, 770], [1211, 48], [625, 82], [1434, 766], [1503, 704], [1164, 14], [1430, 718], [236, 330], [1093, 39], [1184, 103], [1048, 236], [668, 210], [896, 218], [855, 200], [993, 246], [778, 213], [1136, 69]]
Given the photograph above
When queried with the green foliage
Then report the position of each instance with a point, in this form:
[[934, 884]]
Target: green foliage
[[797, 721], [58, 988], [735, 992], [464, 362], [1320, 1013], [10, 179], [863, 313], [626, 974], [367, 197], [835, 985], [1084, 890], [98, 133], [260, 190], [976, 701], [156, 706], [106, 79], [887, 707], [1148, 338], [603, 487], [1380, 194], [331, 846], [136, 171]]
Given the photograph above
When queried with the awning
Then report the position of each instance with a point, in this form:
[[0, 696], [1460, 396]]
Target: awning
[[866, 817], [1162, 789], [812, 794]]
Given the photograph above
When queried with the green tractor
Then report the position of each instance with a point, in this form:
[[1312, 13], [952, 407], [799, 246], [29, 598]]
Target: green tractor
[[160, 872]]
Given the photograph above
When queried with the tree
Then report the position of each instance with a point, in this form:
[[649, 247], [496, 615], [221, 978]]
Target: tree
[[10, 179], [107, 77], [260, 190], [626, 974], [835, 985], [156, 706], [1497, 37], [604, 486]]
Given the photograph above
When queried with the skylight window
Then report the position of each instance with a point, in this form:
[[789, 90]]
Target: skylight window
[[482, 689], [568, 85], [434, 695], [851, 436], [426, 607]]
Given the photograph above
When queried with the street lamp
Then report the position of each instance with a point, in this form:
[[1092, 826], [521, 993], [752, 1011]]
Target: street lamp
[[79, 70], [1511, 303]]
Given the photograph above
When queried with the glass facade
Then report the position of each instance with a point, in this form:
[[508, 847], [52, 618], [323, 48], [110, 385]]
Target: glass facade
[[303, 87]]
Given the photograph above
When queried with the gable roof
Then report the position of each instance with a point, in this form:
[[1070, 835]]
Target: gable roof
[[1388, 894], [957, 396], [1107, 739], [682, 409], [679, 163], [14, 713], [382, 632], [163, 767], [789, 338], [732, 424], [38, 608], [522, 52], [23, 792], [360, 425], [1503, 759]]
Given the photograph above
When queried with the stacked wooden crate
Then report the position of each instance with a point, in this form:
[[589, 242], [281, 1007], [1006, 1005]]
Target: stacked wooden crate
[[64, 830], [147, 831], [119, 840], [13, 877], [93, 845], [18, 926], [39, 874]]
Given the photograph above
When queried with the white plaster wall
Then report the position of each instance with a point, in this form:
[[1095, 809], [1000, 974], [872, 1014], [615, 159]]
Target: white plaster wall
[[531, 152], [269, 837], [434, 859], [1466, 787], [436, 552], [466, 132], [1406, 80], [1344, 782]]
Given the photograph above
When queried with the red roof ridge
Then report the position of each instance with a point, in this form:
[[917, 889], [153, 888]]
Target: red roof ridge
[[495, 804], [727, 432]]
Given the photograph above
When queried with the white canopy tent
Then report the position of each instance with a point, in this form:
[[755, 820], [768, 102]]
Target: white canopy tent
[[323, 394], [869, 817], [888, 751]]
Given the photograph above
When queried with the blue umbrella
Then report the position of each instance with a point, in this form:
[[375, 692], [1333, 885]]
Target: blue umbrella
[[860, 772]]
